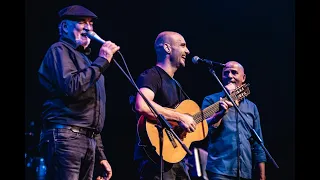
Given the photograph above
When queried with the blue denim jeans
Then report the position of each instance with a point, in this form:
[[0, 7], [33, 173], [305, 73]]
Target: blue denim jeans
[[215, 176], [148, 170], [68, 155]]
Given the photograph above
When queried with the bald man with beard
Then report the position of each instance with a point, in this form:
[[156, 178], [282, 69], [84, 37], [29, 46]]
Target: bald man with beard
[[231, 155]]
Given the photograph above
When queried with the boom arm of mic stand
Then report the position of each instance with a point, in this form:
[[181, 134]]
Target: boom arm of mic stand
[[163, 121], [253, 132]]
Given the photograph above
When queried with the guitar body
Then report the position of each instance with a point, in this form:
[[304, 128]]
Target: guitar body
[[149, 135]]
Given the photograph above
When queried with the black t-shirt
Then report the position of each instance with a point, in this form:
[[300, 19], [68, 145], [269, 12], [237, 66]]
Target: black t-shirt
[[167, 93], [166, 90]]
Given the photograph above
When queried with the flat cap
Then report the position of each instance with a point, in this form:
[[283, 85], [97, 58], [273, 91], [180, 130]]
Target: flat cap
[[75, 11]]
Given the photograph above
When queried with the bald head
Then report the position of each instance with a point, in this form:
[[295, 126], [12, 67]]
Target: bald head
[[164, 37], [234, 64]]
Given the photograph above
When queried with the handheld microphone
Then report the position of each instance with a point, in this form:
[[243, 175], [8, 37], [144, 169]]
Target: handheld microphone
[[92, 35], [196, 60]]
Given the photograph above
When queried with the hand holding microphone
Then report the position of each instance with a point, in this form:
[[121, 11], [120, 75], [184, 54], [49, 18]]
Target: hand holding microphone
[[107, 49]]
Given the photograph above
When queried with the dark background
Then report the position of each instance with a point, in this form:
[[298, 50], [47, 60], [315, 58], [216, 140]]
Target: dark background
[[258, 34]]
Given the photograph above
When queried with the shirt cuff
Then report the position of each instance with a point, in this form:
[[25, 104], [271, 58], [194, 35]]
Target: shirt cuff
[[102, 63]]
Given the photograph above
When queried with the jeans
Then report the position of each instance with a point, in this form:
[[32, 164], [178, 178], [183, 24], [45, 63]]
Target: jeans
[[215, 176], [68, 155], [148, 170]]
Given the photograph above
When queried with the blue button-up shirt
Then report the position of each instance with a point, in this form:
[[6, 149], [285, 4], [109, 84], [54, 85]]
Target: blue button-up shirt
[[226, 139]]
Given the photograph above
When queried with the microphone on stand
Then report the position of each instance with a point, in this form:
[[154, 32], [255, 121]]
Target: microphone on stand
[[196, 60]]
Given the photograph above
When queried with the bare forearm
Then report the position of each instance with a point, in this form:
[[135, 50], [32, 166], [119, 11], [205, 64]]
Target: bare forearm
[[147, 112]]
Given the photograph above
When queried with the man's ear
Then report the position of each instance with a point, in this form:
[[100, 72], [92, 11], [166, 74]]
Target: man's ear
[[64, 26], [244, 77], [167, 47]]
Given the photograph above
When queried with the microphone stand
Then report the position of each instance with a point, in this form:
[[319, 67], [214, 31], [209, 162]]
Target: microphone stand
[[160, 127], [255, 136]]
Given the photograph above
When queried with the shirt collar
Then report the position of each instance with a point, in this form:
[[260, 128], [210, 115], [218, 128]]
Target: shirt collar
[[73, 44]]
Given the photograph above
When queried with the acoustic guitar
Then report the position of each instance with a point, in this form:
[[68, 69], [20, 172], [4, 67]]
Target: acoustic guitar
[[172, 150]]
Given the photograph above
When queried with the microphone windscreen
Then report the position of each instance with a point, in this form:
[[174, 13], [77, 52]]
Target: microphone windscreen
[[195, 59]]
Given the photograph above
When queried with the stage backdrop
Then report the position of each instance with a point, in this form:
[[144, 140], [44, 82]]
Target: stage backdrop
[[258, 34]]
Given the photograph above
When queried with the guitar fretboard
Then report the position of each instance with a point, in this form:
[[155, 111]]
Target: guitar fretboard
[[208, 111], [238, 94]]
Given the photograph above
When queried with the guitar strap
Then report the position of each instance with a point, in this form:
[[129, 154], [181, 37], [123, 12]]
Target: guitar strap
[[181, 90]]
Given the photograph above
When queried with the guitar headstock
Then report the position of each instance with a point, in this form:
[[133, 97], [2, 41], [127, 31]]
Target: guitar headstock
[[240, 92]]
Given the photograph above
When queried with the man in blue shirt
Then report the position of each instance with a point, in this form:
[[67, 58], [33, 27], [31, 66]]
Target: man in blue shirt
[[231, 155]]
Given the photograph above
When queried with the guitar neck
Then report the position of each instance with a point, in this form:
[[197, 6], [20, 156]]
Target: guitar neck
[[209, 111]]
